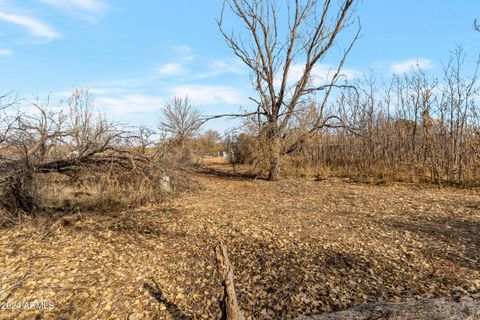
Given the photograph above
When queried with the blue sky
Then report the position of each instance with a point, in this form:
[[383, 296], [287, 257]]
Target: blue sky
[[134, 56]]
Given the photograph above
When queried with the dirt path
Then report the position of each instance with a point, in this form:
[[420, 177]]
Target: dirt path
[[298, 247]]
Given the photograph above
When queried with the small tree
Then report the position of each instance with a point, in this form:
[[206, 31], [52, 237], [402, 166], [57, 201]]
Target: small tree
[[180, 120], [281, 49], [210, 142]]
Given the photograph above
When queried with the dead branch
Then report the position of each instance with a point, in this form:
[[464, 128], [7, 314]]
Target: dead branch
[[229, 304], [47, 141]]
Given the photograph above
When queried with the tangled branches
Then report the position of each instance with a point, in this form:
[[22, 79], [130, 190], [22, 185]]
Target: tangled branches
[[40, 146]]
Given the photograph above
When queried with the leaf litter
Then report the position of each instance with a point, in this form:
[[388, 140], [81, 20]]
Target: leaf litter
[[298, 247]]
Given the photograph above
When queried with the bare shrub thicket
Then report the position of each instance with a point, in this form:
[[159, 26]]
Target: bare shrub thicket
[[52, 158], [209, 143], [241, 148], [412, 127]]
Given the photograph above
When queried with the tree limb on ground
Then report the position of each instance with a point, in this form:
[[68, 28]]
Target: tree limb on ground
[[229, 304]]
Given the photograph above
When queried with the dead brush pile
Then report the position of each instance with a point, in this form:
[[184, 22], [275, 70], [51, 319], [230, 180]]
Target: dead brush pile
[[51, 161]]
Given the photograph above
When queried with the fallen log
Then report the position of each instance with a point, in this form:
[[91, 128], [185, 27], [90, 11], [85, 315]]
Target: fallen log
[[228, 303], [465, 308]]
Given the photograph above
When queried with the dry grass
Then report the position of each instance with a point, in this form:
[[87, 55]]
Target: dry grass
[[214, 160], [96, 189], [298, 247]]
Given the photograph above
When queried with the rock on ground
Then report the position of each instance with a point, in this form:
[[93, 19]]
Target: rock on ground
[[465, 308]]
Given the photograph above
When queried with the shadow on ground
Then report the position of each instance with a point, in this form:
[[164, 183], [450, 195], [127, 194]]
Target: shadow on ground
[[461, 235], [222, 173], [156, 292]]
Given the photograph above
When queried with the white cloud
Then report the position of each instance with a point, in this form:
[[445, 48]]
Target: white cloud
[[93, 91], [214, 68], [33, 25], [171, 69], [217, 67], [6, 52], [407, 65], [87, 10], [205, 94], [321, 74], [130, 103], [324, 72], [99, 91], [91, 6], [225, 66], [184, 52], [146, 81]]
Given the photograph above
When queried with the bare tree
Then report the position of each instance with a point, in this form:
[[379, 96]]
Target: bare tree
[[281, 49], [180, 120]]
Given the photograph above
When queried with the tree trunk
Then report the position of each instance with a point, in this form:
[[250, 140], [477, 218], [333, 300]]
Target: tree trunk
[[274, 159], [20, 190], [184, 152]]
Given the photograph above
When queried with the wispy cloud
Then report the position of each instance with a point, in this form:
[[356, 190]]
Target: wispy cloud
[[321, 74], [204, 68], [87, 10], [33, 25], [407, 65], [223, 66], [93, 91], [217, 67], [171, 69], [130, 103], [94, 7], [140, 82], [181, 71], [206, 94], [6, 52], [183, 51]]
